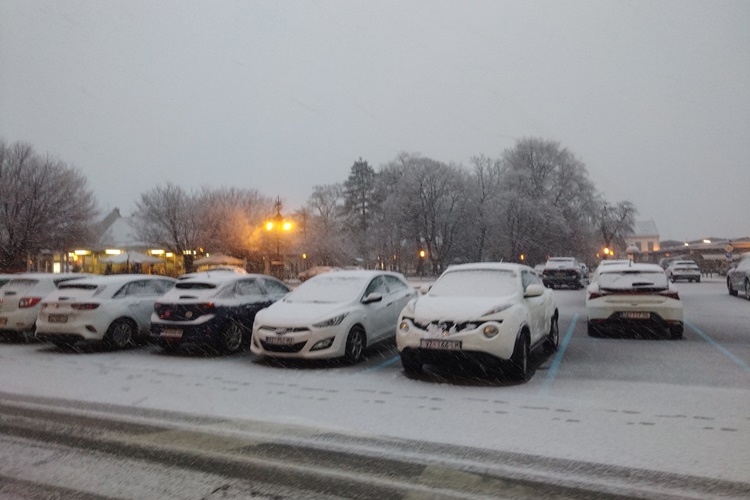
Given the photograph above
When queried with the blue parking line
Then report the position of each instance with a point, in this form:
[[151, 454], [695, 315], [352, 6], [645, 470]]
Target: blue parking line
[[720, 347], [382, 365], [553, 369]]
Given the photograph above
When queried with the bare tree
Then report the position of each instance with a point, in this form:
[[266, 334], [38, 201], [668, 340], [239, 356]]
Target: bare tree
[[325, 240], [170, 217], [44, 203], [614, 222]]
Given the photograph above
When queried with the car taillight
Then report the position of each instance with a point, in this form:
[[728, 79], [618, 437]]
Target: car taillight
[[84, 306], [670, 295], [206, 306], [28, 302], [596, 295]]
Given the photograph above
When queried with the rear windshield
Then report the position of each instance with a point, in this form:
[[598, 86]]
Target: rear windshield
[[195, 286], [23, 282], [625, 280], [80, 286]]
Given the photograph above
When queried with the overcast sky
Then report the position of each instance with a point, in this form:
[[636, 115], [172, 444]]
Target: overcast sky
[[654, 96]]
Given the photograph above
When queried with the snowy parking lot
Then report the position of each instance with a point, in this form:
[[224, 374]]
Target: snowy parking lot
[[677, 406]]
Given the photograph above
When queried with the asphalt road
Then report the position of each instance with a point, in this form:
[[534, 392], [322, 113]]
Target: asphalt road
[[624, 414]]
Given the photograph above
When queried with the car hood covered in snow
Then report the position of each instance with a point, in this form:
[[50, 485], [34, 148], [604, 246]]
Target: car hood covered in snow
[[284, 313], [430, 308]]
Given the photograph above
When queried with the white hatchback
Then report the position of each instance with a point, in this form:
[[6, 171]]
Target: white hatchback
[[686, 270], [20, 299], [492, 314], [332, 315], [116, 309], [632, 295]]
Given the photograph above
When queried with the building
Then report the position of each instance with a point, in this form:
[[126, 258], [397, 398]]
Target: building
[[645, 237]]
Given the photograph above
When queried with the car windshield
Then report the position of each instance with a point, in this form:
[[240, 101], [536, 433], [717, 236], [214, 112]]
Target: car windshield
[[332, 288], [476, 283], [625, 280]]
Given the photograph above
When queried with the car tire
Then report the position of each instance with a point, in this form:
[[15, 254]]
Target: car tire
[[356, 342], [232, 337], [519, 360], [675, 332], [553, 337], [732, 291], [411, 363], [697, 280], [593, 330], [747, 289], [119, 334]]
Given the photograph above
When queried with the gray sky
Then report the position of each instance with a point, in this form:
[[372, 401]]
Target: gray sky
[[654, 96]]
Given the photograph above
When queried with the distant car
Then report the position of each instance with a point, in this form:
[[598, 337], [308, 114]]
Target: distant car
[[562, 271], [214, 270], [491, 314], [633, 295], [20, 300], [684, 270], [116, 309], [738, 277], [213, 308], [314, 271], [333, 315]]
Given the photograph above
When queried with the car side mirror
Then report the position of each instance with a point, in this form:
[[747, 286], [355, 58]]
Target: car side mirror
[[373, 297], [424, 289], [534, 291]]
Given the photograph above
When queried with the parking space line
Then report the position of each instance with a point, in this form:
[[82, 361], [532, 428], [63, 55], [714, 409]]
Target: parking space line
[[381, 365], [720, 347], [552, 373]]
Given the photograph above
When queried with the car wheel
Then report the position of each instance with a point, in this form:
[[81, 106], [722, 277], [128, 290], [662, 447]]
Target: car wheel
[[553, 338], [732, 291], [411, 363], [519, 360], [593, 330], [355, 344], [697, 280], [231, 337], [676, 332], [119, 334], [747, 289]]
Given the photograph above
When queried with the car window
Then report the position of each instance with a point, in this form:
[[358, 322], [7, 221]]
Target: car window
[[377, 285], [249, 287], [141, 288], [395, 284], [274, 287]]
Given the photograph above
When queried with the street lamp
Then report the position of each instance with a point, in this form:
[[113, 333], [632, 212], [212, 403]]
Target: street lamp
[[279, 225]]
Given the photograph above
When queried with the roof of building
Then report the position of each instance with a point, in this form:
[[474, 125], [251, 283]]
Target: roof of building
[[645, 228]]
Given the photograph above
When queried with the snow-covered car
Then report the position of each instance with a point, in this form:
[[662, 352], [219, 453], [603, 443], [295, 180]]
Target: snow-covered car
[[333, 315], [738, 277], [116, 309], [213, 308], [633, 295], [562, 271], [314, 271], [21, 296], [493, 314], [684, 270]]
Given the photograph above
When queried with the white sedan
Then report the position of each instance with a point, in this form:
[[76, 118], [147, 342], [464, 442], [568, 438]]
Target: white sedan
[[633, 295], [493, 314], [116, 309], [332, 315]]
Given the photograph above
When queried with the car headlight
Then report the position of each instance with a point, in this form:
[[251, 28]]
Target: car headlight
[[403, 327], [336, 320], [490, 331]]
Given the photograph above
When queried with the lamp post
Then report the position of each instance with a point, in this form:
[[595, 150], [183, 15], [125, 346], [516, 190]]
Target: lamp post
[[278, 224]]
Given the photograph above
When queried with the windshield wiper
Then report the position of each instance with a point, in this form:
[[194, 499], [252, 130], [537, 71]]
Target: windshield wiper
[[643, 283]]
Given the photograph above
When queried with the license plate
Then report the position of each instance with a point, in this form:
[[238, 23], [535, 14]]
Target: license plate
[[280, 340], [636, 315], [446, 345], [57, 318], [3, 321], [171, 333]]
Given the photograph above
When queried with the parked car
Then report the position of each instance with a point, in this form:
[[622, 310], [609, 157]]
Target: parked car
[[333, 315], [738, 277], [314, 271], [684, 270], [562, 271], [116, 309], [634, 295], [20, 300], [214, 270], [491, 314], [212, 308], [603, 265]]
